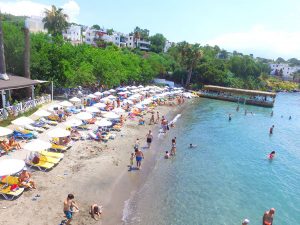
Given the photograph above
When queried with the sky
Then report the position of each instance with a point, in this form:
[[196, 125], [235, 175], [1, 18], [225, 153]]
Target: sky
[[265, 28]]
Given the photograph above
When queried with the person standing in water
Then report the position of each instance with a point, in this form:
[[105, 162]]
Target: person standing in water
[[272, 155], [245, 222], [229, 117], [272, 113], [149, 137], [238, 108], [245, 112], [290, 117], [271, 129], [268, 217]]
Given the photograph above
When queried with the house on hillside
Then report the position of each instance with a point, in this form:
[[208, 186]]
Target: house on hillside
[[284, 70], [73, 34]]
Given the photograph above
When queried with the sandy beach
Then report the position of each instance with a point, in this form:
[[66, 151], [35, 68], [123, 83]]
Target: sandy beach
[[94, 172]]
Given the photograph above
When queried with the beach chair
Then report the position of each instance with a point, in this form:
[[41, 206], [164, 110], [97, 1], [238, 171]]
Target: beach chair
[[42, 165], [8, 194], [10, 180], [53, 154], [93, 136], [19, 135], [26, 131], [83, 126], [57, 147], [52, 123], [32, 128], [49, 159], [53, 118], [41, 124]]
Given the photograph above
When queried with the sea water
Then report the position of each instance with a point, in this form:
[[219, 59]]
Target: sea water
[[228, 176]]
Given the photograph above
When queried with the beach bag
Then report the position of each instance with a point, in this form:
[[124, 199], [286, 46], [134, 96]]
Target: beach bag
[[35, 160]]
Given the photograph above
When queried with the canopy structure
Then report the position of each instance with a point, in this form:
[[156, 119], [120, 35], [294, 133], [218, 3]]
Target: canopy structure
[[5, 131], [239, 91], [99, 105], [37, 145], [98, 93], [103, 123], [58, 132], [111, 115], [11, 166], [106, 92], [66, 104], [112, 90], [16, 82], [92, 109], [118, 110], [75, 99], [84, 116], [73, 123], [92, 96], [22, 121], [42, 113]]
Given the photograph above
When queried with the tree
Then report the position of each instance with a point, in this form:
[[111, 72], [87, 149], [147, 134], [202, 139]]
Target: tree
[[141, 33], [280, 60], [96, 27], [55, 20], [110, 31], [158, 42], [190, 54]]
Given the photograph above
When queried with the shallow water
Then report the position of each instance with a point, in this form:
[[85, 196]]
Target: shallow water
[[227, 177]]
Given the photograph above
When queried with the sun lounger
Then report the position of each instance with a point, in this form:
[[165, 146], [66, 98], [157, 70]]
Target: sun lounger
[[49, 159], [57, 147], [83, 127], [52, 154], [8, 194], [42, 165], [19, 135], [41, 124], [10, 180], [32, 128], [52, 123], [25, 131], [53, 118]]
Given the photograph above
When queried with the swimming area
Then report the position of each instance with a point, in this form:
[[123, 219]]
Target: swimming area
[[228, 177]]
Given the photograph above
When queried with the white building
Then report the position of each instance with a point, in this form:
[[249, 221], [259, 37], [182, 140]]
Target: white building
[[130, 41], [287, 71], [143, 45], [73, 34], [35, 24]]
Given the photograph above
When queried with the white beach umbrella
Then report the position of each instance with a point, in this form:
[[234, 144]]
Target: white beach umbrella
[[59, 132], [118, 110], [92, 109], [106, 92], [140, 86], [99, 105], [11, 166], [73, 123], [92, 96], [128, 101], [111, 115], [22, 121], [112, 90], [98, 93], [139, 106], [51, 107], [105, 100], [84, 116], [111, 97], [42, 113], [5, 131], [66, 104], [133, 87], [75, 99], [37, 145], [122, 93], [103, 123]]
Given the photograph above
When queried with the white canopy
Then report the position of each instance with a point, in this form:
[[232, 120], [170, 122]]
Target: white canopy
[[128, 101], [84, 116], [37, 145], [66, 104], [22, 121], [92, 96], [118, 110], [5, 131], [99, 105], [122, 93], [112, 90], [75, 99], [11, 166], [73, 123], [42, 113], [111, 97], [111, 115], [98, 93], [140, 86], [105, 100], [92, 109], [59, 132], [103, 123], [106, 92]]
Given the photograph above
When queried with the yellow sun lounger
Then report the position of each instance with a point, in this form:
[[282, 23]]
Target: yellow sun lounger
[[42, 165], [8, 194], [10, 180], [59, 147], [52, 154], [49, 159]]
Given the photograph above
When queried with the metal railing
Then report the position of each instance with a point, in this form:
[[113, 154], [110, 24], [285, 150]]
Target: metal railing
[[22, 107]]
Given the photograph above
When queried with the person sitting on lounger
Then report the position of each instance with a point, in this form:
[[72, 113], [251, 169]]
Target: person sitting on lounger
[[96, 211], [4, 145], [25, 179], [13, 143], [75, 133]]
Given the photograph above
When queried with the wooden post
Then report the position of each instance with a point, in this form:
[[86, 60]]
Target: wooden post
[[2, 57]]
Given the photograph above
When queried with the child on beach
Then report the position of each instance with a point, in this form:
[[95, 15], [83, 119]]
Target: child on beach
[[131, 160], [96, 211]]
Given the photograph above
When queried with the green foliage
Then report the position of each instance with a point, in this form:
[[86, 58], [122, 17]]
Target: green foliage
[[55, 21], [141, 33], [110, 31], [96, 27], [158, 42]]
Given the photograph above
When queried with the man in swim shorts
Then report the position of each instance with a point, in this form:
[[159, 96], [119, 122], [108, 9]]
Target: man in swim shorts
[[268, 217], [139, 156], [69, 204], [149, 137]]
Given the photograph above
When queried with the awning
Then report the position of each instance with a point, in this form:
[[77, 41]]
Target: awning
[[17, 82]]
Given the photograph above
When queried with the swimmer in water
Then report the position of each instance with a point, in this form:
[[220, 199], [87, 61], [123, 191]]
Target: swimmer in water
[[271, 130], [245, 112], [272, 155], [229, 117], [268, 217], [290, 117], [167, 155], [238, 108], [193, 146], [272, 113]]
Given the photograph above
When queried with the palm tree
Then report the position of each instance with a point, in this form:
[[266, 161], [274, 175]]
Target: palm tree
[[190, 54], [55, 21]]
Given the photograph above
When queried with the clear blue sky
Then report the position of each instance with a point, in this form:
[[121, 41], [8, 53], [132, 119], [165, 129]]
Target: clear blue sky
[[264, 27]]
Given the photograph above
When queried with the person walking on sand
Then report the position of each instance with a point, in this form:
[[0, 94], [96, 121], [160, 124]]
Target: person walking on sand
[[149, 137], [157, 117], [69, 205], [271, 129], [152, 119], [268, 217], [137, 144], [139, 156], [131, 161]]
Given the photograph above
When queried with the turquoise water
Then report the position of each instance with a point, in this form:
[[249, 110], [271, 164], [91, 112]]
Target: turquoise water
[[227, 177]]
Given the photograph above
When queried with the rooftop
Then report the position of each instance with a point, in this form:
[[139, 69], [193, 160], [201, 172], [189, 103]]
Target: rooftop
[[16, 82]]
